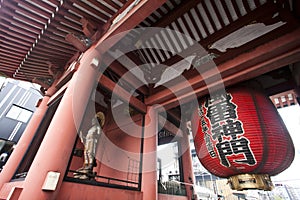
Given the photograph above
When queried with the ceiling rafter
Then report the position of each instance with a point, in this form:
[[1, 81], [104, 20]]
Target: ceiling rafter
[[64, 13], [26, 5], [102, 7], [228, 15], [25, 12], [257, 57], [21, 25], [23, 18], [266, 10], [10, 60], [9, 52], [220, 18], [61, 20], [10, 56], [20, 46], [55, 48], [46, 6], [123, 94], [120, 70], [60, 44], [14, 39], [10, 48], [39, 65], [18, 30], [36, 71], [15, 35], [112, 4]]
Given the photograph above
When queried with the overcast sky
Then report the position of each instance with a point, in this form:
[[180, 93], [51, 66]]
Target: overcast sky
[[291, 117]]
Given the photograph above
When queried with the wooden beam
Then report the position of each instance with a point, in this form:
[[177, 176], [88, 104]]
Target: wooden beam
[[16, 35], [62, 19], [10, 52], [18, 29], [16, 40], [15, 45], [184, 7], [102, 7], [8, 66], [22, 25], [53, 47], [34, 73], [265, 11], [11, 60], [120, 70], [53, 52], [28, 14], [90, 9], [70, 6], [14, 49], [36, 67], [64, 44], [44, 5], [7, 69], [122, 94], [133, 18], [66, 29], [112, 4], [169, 126], [11, 56], [34, 9], [267, 57], [18, 16], [243, 75], [174, 14], [234, 52]]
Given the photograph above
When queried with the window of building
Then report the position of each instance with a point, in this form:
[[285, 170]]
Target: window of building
[[19, 113]]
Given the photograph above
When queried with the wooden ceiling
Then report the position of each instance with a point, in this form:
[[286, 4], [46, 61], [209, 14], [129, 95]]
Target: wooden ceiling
[[244, 38], [34, 31]]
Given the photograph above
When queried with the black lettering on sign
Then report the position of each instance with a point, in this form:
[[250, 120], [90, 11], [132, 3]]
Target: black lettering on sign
[[226, 130]]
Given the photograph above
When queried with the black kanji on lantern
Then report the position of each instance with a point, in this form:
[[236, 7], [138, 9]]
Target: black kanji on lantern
[[232, 128], [204, 125], [220, 107], [209, 145], [224, 149], [234, 147], [217, 132], [226, 129], [242, 146], [208, 142]]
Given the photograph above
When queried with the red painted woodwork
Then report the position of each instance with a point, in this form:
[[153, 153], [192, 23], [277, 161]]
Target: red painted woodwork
[[241, 132]]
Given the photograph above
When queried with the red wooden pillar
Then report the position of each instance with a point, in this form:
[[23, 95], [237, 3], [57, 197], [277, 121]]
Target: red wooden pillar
[[56, 148], [21, 148], [188, 174], [18, 153], [149, 179]]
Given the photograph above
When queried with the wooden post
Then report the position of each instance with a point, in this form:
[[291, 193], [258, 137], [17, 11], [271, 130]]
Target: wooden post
[[56, 147], [149, 179]]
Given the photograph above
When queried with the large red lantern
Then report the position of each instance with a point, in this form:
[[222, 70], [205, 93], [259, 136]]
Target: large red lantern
[[238, 134]]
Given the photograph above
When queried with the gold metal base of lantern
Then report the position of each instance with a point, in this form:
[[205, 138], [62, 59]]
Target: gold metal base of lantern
[[251, 181]]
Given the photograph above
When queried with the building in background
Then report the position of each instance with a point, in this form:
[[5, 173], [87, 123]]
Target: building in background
[[286, 192], [18, 101]]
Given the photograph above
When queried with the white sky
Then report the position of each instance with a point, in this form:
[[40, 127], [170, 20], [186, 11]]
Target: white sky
[[291, 117]]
